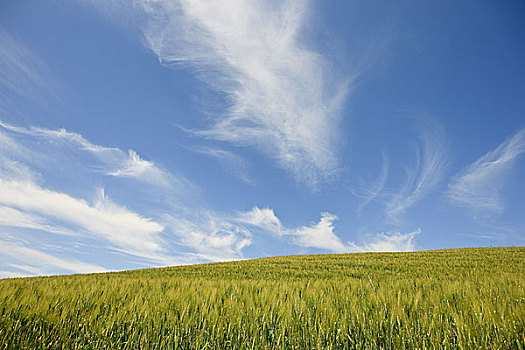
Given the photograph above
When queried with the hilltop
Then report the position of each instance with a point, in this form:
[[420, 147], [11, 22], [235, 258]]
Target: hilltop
[[462, 298]]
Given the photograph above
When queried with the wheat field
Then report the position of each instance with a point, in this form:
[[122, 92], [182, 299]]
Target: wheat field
[[449, 299]]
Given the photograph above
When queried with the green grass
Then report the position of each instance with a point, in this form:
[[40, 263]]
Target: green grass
[[451, 299]]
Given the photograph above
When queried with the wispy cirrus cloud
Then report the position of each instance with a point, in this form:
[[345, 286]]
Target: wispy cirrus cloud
[[426, 174], [479, 185], [23, 75], [36, 262], [135, 167], [372, 191], [388, 242], [210, 236], [127, 230], [34, 166], [232, 163], [31, 165], [114, 161], [16, 218], [280, 95], [171, 233]]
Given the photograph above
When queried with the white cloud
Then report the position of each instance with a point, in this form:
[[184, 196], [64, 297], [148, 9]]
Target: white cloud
[[211, 236], [13, 274], [175, 233], [133, 166], [322, 234], [15, 218], [32, 270], [24, 75], [428, 172], [129, 231], [479, 185], [20, 137], [29, 199], [281, 96], [115, 161], [316, 235], [46, 176], [232, 163], [371, 192], [388, 242], [264, 218], [38, 262], [36, 155]]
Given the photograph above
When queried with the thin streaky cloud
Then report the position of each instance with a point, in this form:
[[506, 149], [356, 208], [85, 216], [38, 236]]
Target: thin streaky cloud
[[125, 229], [232, 163], [371, 192], [18, 274], [428, 172], [32, 270], [117, 162], [27, 202], [44, 262], [281, 97], [15, 218], [22, 75], [134, 166], [388, 242], [479, 185], [201, 234], [50, 134], [211, 236]]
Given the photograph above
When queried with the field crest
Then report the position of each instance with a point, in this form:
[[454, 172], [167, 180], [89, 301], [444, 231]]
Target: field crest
[[465, 298]]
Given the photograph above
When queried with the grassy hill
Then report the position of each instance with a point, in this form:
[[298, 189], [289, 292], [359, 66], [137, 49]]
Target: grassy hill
[[466, 298]]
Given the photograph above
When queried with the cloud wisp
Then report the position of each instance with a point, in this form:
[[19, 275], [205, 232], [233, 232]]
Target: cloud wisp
[[427, 173], [210, 236], [371, 192], [232, 163], [127, 230], [34, 168], [32, 163], [24, 76], [388, 242], [15, 218], [33, 199], [281, 96], [479, 185], [36, 262], [115, 162]]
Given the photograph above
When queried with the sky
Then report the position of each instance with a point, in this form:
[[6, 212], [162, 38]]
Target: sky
[[151, 133]]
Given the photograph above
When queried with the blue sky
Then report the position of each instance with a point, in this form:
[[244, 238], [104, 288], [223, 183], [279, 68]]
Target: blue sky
[[154, 133]]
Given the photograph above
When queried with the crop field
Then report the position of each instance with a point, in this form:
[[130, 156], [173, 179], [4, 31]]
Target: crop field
[[449, 299]]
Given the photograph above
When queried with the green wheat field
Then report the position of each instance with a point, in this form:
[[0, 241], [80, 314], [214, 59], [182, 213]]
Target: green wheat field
[[449, 299]]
